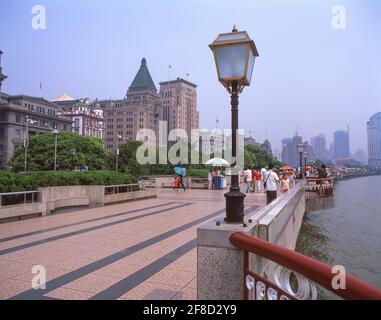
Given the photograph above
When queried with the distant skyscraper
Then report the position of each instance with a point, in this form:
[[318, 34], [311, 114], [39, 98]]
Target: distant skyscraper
[[266, 145], [319, 147], [374, 140], [290, 153], [341, 144]]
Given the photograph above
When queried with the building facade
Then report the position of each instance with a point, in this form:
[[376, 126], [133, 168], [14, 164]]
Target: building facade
[[290, 153], [374, 140], [16, 111], [179, 101], [86, 115], [341, 144], [319, 146], [140, 109]]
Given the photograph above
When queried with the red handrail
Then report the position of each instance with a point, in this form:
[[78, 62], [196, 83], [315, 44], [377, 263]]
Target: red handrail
[[310, 268]]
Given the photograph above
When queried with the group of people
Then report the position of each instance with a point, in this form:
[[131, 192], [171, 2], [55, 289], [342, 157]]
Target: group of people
[[252, 179], [212, 177], [267, 178]]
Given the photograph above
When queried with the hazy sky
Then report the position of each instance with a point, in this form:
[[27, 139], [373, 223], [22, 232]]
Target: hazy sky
[[308, 74]]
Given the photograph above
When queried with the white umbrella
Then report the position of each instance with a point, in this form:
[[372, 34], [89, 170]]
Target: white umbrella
[[218, 162]]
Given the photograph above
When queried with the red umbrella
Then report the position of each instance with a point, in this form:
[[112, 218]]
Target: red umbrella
[[308, 168], [286, 168]]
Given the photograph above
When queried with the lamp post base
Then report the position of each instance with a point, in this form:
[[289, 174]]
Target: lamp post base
[[234, 206]]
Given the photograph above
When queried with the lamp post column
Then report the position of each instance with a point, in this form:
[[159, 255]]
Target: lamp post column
[[55, 152], [301, 165], [117, 153], [26, 142], [234, 198]]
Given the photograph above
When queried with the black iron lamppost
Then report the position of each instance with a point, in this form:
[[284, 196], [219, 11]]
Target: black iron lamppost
[[72, 153], [234, 55], [55, 132], [300, 148], [305, 157]]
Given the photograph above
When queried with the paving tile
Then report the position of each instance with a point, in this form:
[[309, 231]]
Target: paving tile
[[92, 283], [177, 280], [69, 294], [186, 294], [173, 277], [71, 263], [151, 291], [118, 270], [192, 284], [12, 287]]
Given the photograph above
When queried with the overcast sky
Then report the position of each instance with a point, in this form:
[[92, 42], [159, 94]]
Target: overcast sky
[[308, 75]]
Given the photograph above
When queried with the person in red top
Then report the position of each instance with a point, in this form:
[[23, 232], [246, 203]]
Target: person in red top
[[176, 184], [258, 178]]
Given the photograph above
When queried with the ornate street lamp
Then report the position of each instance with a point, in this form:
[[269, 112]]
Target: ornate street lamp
[[300, 148], [305, 157], [55, 132], [234, 55], [118, 137]]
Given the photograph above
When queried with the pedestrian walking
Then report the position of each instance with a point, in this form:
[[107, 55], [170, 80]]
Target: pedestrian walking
[[210, 179], [270, 184], [291, 177], [181, 181], [258, 180], [176, 184], [284, 183], [247, 180]]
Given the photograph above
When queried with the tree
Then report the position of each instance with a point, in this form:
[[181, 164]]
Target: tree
[[255, 157], [88, 151]]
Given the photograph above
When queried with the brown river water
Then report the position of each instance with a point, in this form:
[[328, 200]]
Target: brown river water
[[349, 234]]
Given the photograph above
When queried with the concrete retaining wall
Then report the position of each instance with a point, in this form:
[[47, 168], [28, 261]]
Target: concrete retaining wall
[[128, 196], [220, 265], [53, 198]]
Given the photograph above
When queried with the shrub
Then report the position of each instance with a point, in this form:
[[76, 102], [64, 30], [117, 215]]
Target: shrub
[[13, 182]]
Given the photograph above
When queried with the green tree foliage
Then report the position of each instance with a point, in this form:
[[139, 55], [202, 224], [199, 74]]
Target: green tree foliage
[[256, 157], [88, 151]]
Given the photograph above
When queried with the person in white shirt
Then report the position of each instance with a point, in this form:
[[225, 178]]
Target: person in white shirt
[[263, 174], [210, 180], [270, 183], [247, 177]]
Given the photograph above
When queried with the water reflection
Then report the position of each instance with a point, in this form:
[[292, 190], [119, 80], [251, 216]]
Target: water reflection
[[348, 233]]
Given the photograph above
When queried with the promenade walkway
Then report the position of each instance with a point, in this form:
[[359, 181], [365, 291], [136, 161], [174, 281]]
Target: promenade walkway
[[135, 250]]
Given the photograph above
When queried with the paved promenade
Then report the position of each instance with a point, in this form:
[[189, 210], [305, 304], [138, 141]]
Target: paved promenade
[[135, 250]]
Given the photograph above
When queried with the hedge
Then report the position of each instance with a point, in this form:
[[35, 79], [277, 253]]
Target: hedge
[[13, 182]]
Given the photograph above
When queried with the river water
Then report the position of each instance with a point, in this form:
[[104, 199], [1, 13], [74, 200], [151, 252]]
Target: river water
[[349, 234]]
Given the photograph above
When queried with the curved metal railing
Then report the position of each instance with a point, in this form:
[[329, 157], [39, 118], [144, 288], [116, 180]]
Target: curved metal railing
[[298, 263]]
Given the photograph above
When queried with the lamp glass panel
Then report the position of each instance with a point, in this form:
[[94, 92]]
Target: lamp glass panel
[[250, 65], [241, 36], [231, 61]]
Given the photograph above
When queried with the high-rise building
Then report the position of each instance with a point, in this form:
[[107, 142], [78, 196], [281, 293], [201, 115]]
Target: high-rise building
[[341, 144], [319, 147], [140, 109], [374, 139], [290, 153], [179, 100]]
